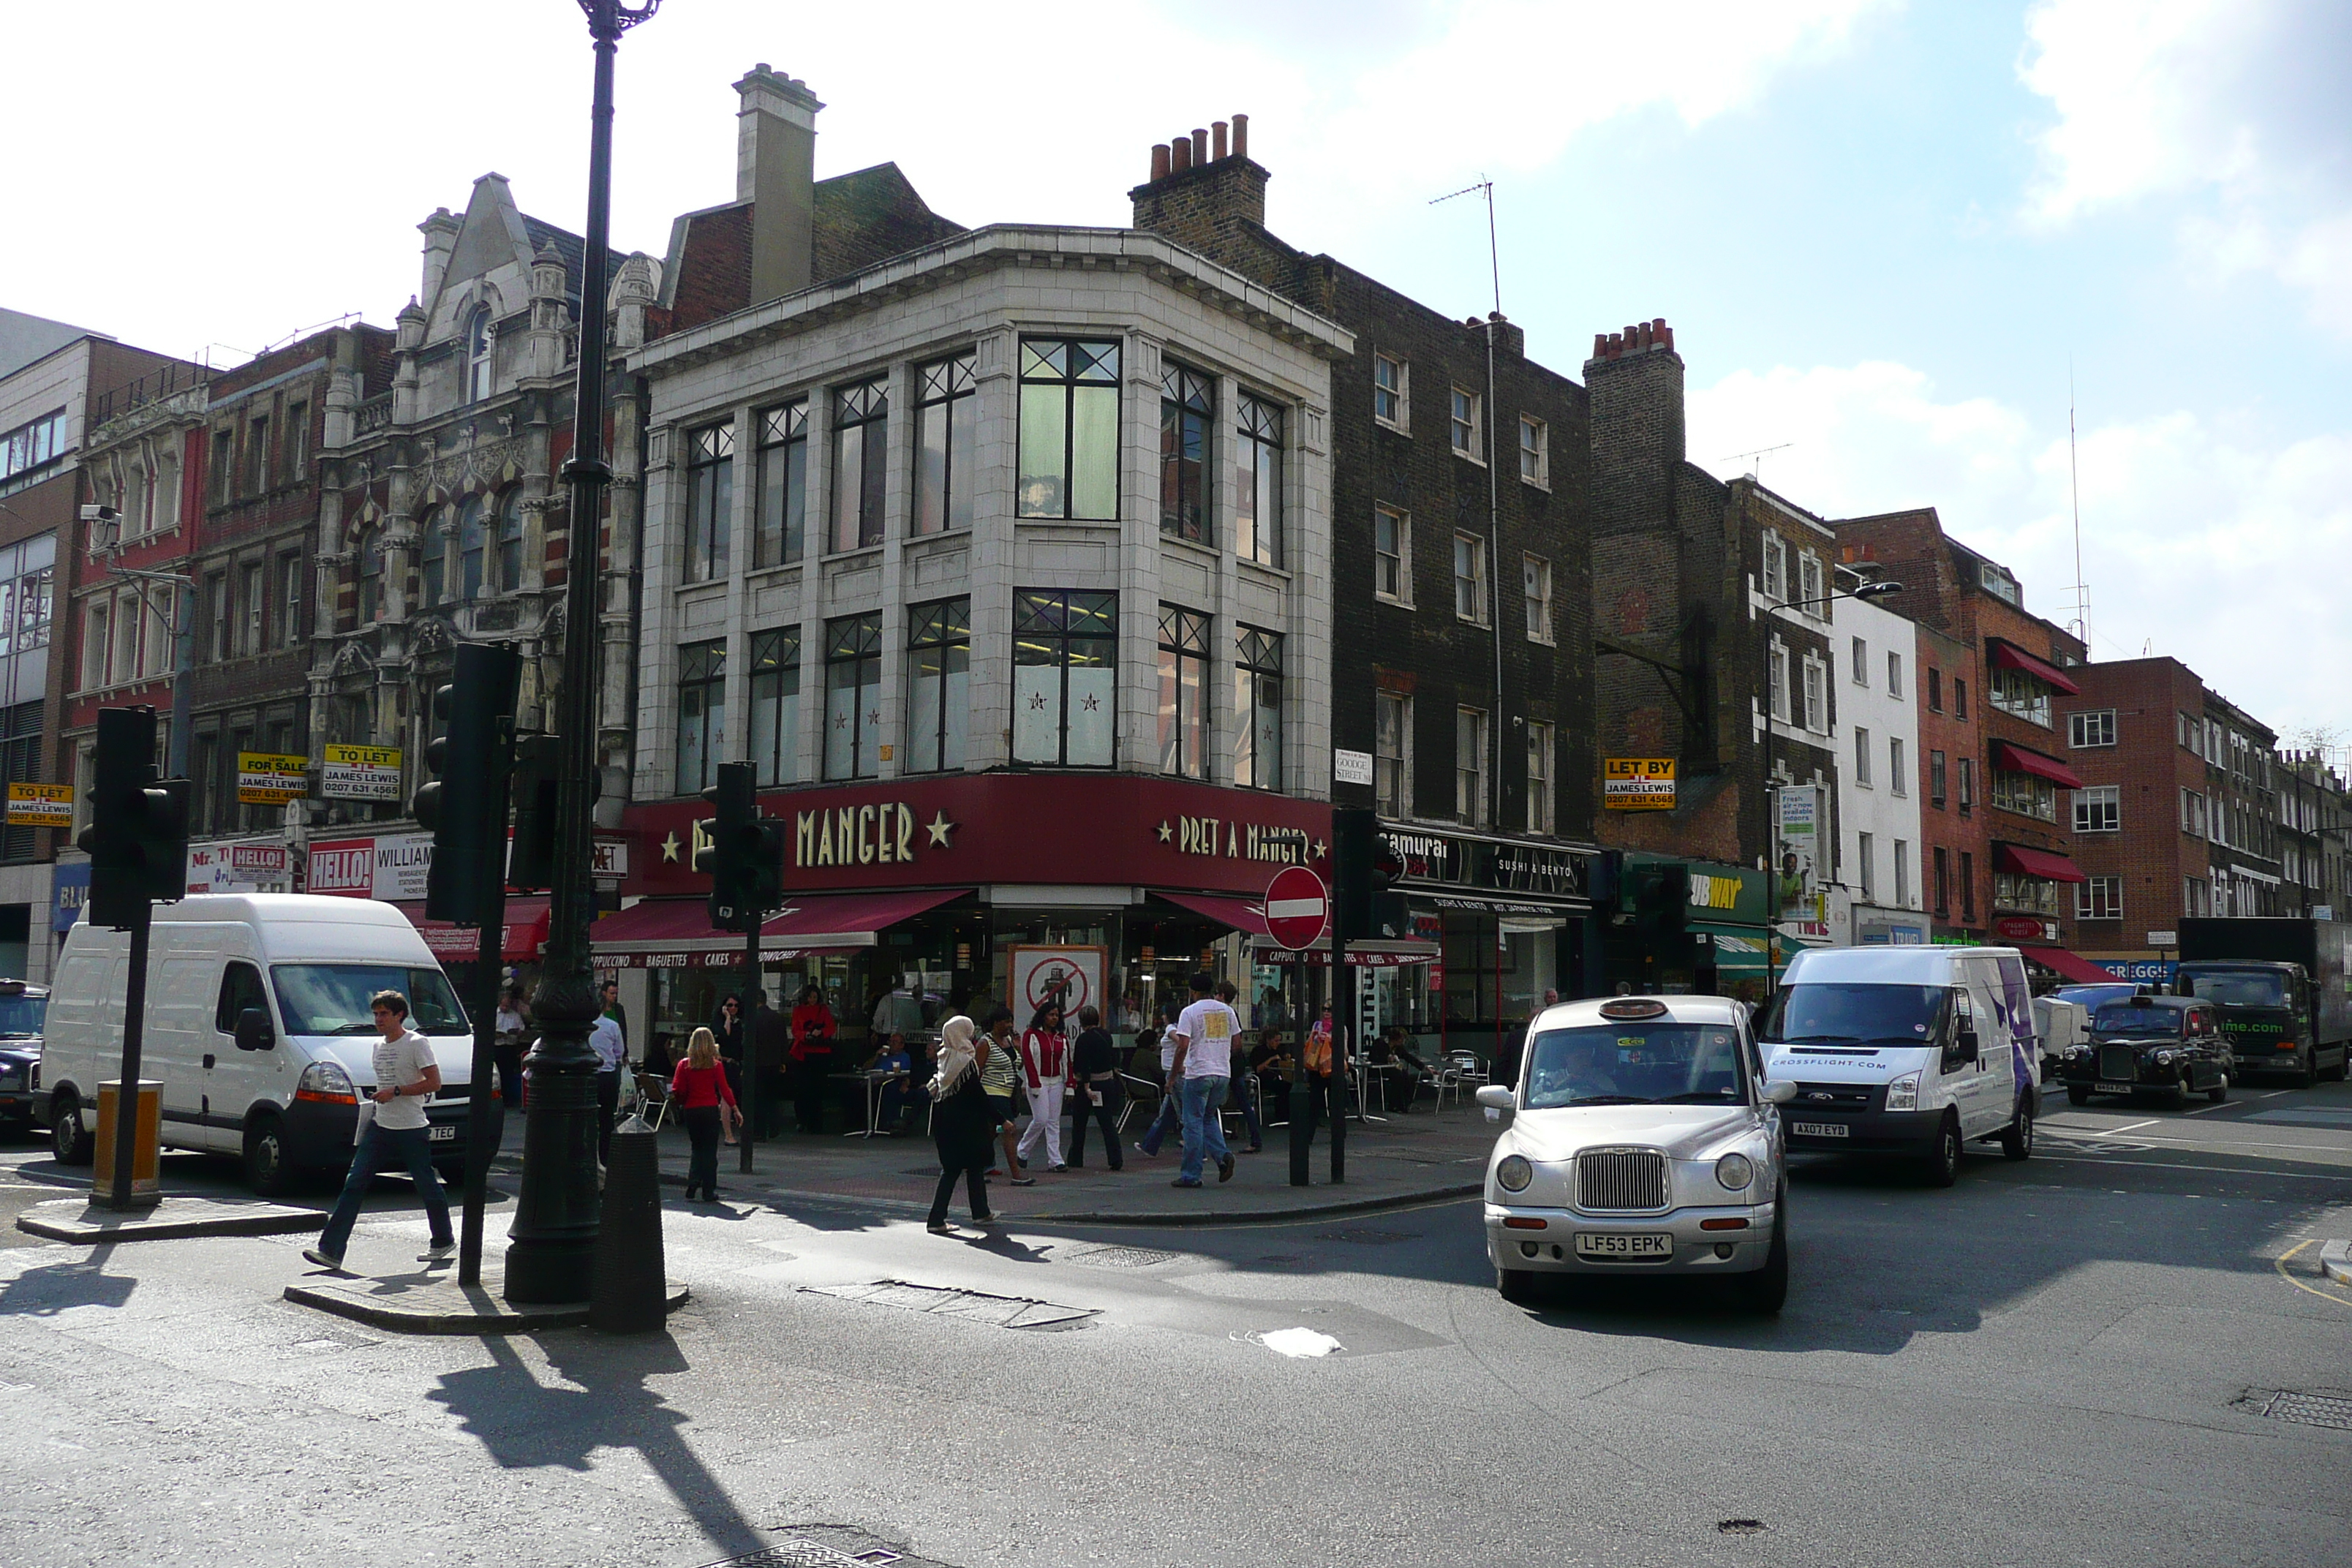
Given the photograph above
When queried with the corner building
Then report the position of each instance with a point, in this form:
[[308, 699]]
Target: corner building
[[1002, 553]]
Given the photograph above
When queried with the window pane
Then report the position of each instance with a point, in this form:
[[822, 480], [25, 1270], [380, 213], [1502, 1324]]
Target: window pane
[[848, 485], [1044, 432], [1036, 700], [963, 439], [1094, 453], [1094, 693]]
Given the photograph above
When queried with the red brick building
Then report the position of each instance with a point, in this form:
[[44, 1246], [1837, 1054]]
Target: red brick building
[[1953, 843]]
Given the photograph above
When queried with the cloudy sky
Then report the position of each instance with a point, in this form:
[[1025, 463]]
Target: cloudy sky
[[1887, 235]]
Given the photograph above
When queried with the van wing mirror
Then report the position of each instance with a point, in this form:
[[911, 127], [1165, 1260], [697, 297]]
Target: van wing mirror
[[254, 1032], [1964, 1046]]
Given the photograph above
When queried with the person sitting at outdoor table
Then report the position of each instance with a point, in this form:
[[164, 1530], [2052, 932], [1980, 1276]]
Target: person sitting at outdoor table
[[1405, 1071], [1272, 1064], [889, 1057]]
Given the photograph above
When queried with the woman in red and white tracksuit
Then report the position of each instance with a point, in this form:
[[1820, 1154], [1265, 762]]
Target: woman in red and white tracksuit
[[1044, 1057]]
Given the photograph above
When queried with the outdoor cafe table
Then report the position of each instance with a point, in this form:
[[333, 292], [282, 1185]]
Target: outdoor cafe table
[[873, 1082]]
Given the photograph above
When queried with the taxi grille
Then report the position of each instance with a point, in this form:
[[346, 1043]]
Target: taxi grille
[[1629, 1181], [2119, 1064]]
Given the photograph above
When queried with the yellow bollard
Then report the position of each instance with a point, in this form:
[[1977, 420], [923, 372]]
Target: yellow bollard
[[148, 1139]]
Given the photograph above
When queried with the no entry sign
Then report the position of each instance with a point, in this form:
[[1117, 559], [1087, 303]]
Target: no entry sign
[[1297, 908]]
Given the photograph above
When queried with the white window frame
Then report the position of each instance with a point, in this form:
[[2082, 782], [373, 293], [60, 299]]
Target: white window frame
[[1817, 695], [2089, 905], [1477, 577], [1404, 595], [1535, 452], [1535, 582], [1396, 802], [1540, 790], [1475, 425], [1902, 874], [1403, 423], [2089, 814], [1894, 673], [1899, 767], [1470, 779], [1860, 675], [96, 642], [2090, 729], [1810, 583], [1861, 758], [1779, 696], [1775, 568], [1866, 868]]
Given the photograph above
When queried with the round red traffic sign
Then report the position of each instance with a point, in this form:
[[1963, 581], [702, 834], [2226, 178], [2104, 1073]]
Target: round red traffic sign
[[1297, 908]]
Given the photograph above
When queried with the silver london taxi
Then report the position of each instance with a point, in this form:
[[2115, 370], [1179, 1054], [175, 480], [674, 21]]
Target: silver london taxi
[[1643, 1141]]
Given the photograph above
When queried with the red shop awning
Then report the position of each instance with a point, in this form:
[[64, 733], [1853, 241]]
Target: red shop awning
[[2071, 966], [2018, 760], [2042, 863], [526, 933], [677, 933], [1242, 914], [2008, 656]]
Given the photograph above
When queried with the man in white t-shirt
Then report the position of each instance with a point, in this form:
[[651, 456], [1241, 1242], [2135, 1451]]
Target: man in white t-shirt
[[393, 1132], [1199, 1076]]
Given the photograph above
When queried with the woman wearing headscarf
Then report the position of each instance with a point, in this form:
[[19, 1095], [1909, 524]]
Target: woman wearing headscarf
[[704, 1100], [963, 1123], [1045, 1061]]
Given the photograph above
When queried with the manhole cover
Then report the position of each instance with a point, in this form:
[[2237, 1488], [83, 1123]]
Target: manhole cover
[[1004, 1312], [1120, 1256], [2306, 1409], [1366, 1236], [804, 1554]]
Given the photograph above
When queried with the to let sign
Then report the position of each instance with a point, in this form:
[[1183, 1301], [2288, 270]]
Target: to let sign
[[1637, 783], [40, 806], [361, 773], [1297, 908], [270, 778]]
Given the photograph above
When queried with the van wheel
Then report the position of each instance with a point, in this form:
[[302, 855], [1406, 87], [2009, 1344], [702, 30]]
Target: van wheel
[[1944, 1157], [2343, 1068], [2221, 1090], [2017, 1138], [2077, 1095], [1767, 1289], [2305, 1074], [68, 1141], [1516, 1286], [266, 1169]]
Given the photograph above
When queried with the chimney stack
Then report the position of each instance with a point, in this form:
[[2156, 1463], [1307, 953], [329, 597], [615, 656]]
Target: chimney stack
[[1650, 336], [775, 171]]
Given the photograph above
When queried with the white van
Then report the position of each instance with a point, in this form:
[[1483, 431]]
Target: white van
[[1906, 1050], [257, 1026]]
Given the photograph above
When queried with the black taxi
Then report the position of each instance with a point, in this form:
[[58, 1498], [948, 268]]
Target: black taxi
[[2172, 1046]]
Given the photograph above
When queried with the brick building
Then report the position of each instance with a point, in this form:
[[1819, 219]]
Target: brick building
[[1954, 844], [2314, 819], [1460, 598]]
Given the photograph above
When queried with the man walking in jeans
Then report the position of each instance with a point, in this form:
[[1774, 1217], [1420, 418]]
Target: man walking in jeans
[[1199, 1076], [395, 1135]]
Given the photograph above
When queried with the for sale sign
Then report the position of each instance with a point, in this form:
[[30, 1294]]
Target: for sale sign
[[361, 773], [270, 778], [1637, 783]]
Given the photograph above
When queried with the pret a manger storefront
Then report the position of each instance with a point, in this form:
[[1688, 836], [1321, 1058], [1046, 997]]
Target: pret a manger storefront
[[968, 891]]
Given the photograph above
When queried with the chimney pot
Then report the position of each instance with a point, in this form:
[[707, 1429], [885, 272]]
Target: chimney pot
[[1240, 135], [1159, 162], [1665, 337], [1644, 330], [1600, 345], [1217, 141], [1200, 144], [1180, 151]]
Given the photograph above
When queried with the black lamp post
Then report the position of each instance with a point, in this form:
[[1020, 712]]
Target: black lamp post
[[552, 1255], [1771, 790]]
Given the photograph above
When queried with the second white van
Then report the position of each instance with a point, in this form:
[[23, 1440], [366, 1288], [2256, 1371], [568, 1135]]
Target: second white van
[[257, 1027], [1911, 1051]]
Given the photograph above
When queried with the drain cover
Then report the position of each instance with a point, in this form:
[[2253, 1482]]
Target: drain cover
[[1118, 1256], [1004, 1312], [804, 1554], [2306, 1409]]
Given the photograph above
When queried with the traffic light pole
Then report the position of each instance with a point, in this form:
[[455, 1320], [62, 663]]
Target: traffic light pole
[[126, 1098], [755, 1078], [481, 1140]]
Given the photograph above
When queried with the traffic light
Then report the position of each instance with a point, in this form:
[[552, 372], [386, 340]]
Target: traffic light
[[768, 866], [464, 806], [1657, 893], [530, 864], [1364, 869], [732, 858], [137, 839]]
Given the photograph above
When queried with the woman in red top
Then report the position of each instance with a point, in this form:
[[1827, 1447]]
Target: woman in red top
[[1045, 1061], [704, 1099], [812, 1058]]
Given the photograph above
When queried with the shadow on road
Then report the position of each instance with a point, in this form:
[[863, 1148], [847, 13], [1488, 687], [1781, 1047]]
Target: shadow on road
[[55, 1288], [527, 1424]]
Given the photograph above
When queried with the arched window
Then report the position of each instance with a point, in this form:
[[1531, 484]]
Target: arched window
[[477, 354], [429, 560], [370, 569], [510, 540], [469, 549]]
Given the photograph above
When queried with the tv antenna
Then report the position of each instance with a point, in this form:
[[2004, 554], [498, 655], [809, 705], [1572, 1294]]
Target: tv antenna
[[2080, 624], [1484, 190], [1756, 470]]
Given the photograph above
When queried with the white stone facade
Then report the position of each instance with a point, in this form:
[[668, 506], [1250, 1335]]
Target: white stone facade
[[983, 292], [1880, 772]]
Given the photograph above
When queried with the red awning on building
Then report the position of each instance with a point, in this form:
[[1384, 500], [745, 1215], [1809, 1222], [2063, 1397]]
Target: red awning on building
[[526, 933], [1242, 914], [677, 933], [2018, 760], [2042, 863], [2008, 656], [2069, 964]]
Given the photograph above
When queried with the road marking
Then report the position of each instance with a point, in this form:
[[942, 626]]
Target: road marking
[[2280, 1263], [2125, 1128], [2275, 1094], [2216, 1105], [2220, 1170]]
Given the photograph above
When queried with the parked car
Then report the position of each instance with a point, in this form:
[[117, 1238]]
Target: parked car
[[2172, 1046], [1642, 1142], [23, 1009]]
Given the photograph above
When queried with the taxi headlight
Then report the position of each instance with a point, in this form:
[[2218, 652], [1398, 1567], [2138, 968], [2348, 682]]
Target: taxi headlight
[[1514, 1174], [1903, 1094], [1734, 1171], [2164, 1059]]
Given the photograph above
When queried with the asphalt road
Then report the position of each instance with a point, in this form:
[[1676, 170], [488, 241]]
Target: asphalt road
[[2067, 1361]]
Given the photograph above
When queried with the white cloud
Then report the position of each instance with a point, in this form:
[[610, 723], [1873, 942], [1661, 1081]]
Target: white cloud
[[2202, 540], [2235, 110]]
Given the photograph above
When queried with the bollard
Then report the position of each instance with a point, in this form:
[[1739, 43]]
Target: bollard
[[631, 1284]]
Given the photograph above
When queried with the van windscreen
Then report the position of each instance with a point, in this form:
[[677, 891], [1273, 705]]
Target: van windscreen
[[1833, 1014], [333, 998], [2237, 987]]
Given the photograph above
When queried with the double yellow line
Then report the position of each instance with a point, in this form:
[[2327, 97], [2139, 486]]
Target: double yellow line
[[2280, 1264]]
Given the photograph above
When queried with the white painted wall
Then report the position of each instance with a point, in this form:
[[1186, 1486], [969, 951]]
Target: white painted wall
[[1874, 798]]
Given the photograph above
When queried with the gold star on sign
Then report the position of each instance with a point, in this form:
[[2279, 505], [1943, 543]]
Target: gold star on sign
[[939, 827], [669, 851], [1318, 849], [1165, 834]]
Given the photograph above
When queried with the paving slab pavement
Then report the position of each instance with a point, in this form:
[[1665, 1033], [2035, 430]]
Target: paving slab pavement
[[435, 1303], [171, 1219]]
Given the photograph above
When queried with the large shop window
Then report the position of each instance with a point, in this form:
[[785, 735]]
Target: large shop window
[[853, 697], [1069, 429], [861, 417], [1064, 678], [776, 705], [1187, 402], [1184, 692], [780, 530], [1257, 483], [1258, 708], [709, 500], [702, 714], [939, 673], [947, 429]]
